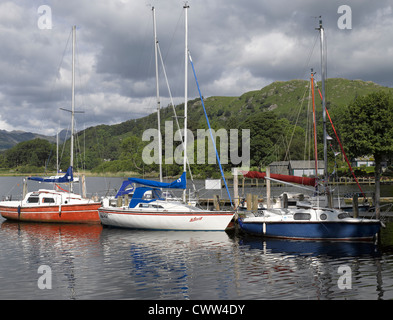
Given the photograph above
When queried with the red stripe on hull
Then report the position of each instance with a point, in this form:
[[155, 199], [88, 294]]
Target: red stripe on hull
[[149, 213], [82, 213]]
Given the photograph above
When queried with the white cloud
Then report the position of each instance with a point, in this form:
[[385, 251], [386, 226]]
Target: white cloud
[[236, 47]]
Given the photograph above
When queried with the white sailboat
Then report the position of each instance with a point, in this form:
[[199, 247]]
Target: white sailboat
[[149, 210]]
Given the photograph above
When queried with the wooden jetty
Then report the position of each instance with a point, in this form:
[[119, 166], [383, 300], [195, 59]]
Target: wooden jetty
[[251, 183]]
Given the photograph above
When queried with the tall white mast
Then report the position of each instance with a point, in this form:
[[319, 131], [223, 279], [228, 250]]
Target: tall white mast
[[72, 102], [323, 67], [158, 95], [186, 6]]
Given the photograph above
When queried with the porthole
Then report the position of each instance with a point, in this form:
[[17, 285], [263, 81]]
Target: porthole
[[302, 216], [323, 216]]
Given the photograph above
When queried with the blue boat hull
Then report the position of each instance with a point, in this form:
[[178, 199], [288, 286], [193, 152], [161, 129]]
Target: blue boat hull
[[313, 230]]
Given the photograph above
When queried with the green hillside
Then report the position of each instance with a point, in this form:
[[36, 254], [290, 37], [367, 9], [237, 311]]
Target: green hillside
[[118, 147]]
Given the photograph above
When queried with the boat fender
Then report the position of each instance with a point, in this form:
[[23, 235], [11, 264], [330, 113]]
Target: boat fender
[[59, 210], [382, 224], [19, 209]]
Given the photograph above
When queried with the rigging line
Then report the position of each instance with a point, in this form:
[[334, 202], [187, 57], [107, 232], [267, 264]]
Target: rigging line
[[174, 111], [306, 66], [211, 134], [79, 74], [62, 58], [342, 148], [174, 33], [58, 68], [294, 127], [78, 144], [64, 143], [307, 145]]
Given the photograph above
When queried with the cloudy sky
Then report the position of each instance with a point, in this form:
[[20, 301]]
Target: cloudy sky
[[237, 46]]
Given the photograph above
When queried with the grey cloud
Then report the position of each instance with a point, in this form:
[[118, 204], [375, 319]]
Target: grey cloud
[[236, 46]]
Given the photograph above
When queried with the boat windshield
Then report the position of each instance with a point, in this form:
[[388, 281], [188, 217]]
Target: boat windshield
[[33, 199]]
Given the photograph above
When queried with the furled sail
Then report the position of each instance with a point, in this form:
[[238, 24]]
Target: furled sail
[[286, 178], [68, 177], [177, 184]]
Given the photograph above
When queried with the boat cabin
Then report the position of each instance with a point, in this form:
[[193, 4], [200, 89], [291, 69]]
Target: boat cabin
[[49, 197]]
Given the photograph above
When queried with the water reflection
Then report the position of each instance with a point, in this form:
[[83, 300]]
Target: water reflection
[[171, 264], [310, 269], [334, 250], [92, 262], [60, 246]]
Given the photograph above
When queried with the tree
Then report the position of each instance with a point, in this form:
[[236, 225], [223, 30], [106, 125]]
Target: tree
[[367, 129], [131, 150], [34, 152], [265, 132]]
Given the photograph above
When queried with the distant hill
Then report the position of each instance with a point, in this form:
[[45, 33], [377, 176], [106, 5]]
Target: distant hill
[[281, 97], [284, 98], [8, 139]]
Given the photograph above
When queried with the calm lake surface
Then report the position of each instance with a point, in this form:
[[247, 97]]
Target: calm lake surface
[[92, 262]]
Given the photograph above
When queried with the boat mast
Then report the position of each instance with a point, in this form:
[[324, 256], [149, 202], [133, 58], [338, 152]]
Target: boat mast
[[186, 6], [72, 103], [323, 69], [158, 94], [315, 128]]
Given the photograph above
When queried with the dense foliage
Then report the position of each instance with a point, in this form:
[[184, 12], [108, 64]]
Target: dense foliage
[[278, 129], [367, 126], [368, 130], [30, 156]]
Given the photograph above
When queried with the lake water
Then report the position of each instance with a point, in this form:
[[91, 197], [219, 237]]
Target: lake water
[[95, 262]]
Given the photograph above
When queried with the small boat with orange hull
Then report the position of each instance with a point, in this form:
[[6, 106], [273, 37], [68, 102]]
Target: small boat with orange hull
[[57, 205], [51, 206]]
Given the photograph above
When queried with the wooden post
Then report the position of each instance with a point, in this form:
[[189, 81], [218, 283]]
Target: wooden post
[[83, 186], [235, 187], [330, 199], [216, 202], [355, 206], [24, 188], [249, 201], [255, 202], [284, 200], [268, 189]]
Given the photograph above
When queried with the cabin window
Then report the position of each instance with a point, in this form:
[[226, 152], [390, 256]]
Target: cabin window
[[48, 200], [302, 216], [157, 206], [343, 215], [33, 200], [143, 205]]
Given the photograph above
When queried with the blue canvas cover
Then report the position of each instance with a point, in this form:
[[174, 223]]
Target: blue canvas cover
[[140, 192], [177, 184], [123, 189], [68, 177]]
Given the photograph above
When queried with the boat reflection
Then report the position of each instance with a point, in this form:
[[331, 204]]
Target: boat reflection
[[52, 231], [65, 248], [330, 249], [171, 264]]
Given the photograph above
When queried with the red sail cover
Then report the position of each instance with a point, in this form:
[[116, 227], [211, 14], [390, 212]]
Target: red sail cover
[[293, 179]]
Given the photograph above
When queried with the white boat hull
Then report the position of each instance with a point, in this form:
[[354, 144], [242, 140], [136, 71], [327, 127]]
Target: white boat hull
[[150, 220]]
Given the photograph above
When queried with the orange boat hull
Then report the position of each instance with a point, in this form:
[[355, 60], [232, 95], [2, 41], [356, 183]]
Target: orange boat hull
[[72, 213]]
